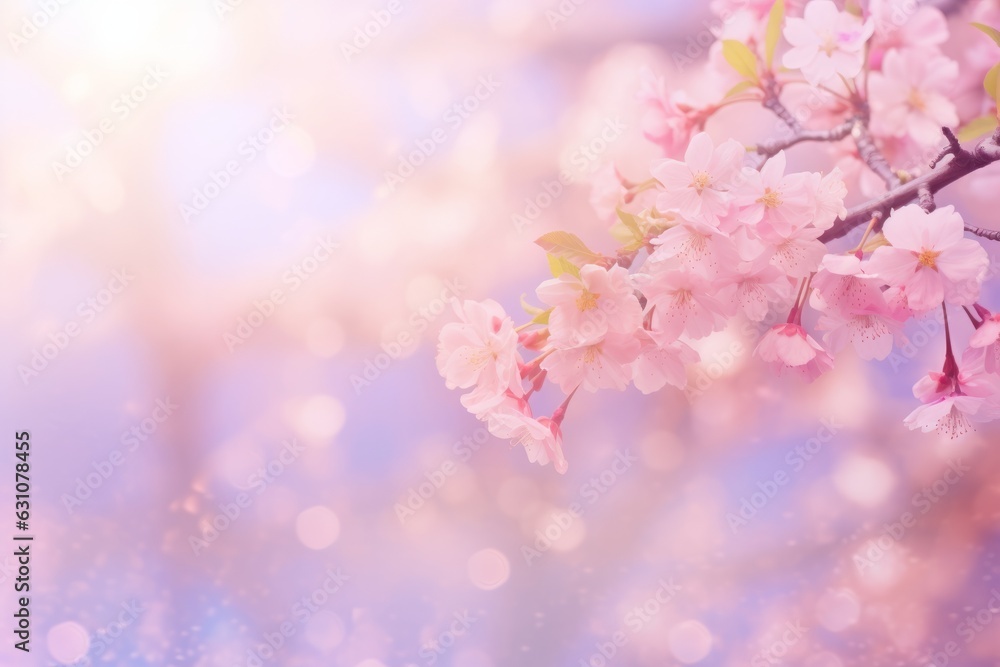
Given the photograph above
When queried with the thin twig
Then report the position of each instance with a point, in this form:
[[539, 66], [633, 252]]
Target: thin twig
[[771, 148], [870, 154], [953, 147], [991, 234], [772, 101]]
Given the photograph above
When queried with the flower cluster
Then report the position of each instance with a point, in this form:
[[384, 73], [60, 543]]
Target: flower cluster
[[720, 233]]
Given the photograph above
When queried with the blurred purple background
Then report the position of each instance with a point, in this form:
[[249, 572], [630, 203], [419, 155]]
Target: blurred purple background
[[219, 325]]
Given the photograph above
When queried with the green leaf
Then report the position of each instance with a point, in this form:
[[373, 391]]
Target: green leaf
[[568, 246], [739, 88], [561, 265], [741, 58], [534, 311], [996, 96], [773, 34], [635, 245], [990, 82], [619, 232], [629, 221], [542, 317], [996, 87], [992, 33], [977, 127]]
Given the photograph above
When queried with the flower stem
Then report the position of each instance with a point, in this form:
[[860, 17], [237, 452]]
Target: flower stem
[[560, 412], [972, 318], [950, 368]]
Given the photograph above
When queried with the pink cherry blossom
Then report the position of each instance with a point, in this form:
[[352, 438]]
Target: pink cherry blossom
[[659, 365], [681, 302], [901, 24], [697, 247], [771, 197], [843, 284], [587, 307], [714, 237], [870, 328], [910, 96], [755, 287], [480, 350], [950, 415], [930, 257], [553, 445], [541, 439], [953, 399], [986, 340], [826, 42], [788, 347], [607, 191], [828, 194], [697, 187], [604, 364], [668, 120], [795, 251]]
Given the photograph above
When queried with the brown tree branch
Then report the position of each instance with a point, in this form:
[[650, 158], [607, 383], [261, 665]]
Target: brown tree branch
[[771, 148], [856, 127], [991, 234], [872, 156], [926, 199], [962, 163], [772, 101]]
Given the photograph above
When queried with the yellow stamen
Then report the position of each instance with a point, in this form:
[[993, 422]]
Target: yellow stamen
[[587, 301], [916, 100], [928, 258], [701, 181], [829, 46], [770, 199]]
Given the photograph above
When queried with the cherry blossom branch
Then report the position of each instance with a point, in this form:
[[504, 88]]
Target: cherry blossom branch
[[771, 148], [954, 147], [991, 234], [870, 154], [773, 103], [946, 7], [856, 127], [926, 199], [963, 163]]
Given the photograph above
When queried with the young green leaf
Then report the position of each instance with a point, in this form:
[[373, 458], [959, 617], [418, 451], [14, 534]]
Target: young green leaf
[[561, 265], [996, 94], [542, 317], [568, 246], [534, 311], [977, 127], [990, 82], [773, 34], [739, 88], [992, 33], [742, 59], [629, 221]]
